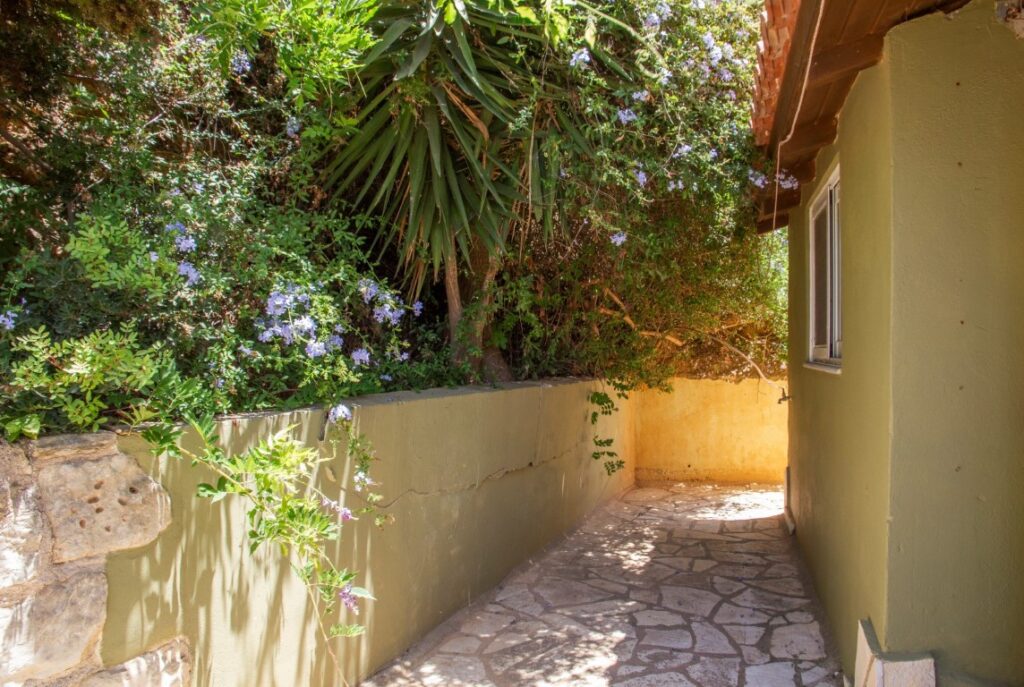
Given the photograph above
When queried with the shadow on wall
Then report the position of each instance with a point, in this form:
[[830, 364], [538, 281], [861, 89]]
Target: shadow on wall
[[478, 480]]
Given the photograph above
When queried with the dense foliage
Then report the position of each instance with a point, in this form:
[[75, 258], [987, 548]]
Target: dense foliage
[[234, 205]]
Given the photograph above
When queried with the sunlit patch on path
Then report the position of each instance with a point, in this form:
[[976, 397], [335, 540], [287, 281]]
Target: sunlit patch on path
[[673, 586]]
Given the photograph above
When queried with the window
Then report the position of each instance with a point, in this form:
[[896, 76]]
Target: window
[[826, 330]]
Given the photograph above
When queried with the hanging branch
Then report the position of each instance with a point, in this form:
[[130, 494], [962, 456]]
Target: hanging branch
[[678, 343]]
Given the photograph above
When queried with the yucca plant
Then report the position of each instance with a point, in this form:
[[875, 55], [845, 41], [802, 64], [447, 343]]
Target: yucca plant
[[462, 114]]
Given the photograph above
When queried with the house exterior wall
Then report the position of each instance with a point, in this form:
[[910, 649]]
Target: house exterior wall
[[956, 543], [711, 431], [839, 424], [908, 467]]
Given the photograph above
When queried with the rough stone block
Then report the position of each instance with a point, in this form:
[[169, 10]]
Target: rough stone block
[[100, 505], [54, 630], [74, 447], [22, 527], [167, 666]]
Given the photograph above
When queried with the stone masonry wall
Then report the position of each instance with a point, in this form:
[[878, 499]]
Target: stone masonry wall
[[65, 503]]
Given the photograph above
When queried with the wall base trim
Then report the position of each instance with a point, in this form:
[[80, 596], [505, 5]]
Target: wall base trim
[[875, 669]]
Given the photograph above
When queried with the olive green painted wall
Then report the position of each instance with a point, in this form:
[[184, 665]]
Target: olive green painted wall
[[839, 425], [710, 430], [957, 537], [908, 468], [477, 479]]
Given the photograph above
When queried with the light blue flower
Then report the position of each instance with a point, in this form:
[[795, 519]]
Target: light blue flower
[[189, 271], [652, 21], [184, 243], [292, 127], [334, 342], [417, 308], [385, 378], [664, 75], [682, 150], [175, 227], [618, 238], [153, 256], [361, 356], [340, 412], [315, 349], [245, 350], [8, 320], [580, 57], [368, 288], [641, 176], [641, 95], [278, 303], [304, 325], [663, 10], [240, 63], [626, 116]]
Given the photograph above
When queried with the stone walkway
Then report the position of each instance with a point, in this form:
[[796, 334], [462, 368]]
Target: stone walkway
[[680, 586]]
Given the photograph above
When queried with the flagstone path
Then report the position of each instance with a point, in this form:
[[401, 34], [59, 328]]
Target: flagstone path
[[672, 586]]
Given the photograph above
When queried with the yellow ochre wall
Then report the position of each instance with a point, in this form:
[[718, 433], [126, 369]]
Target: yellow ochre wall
[[710, 430], [839, 425], [908, 467], [478, 481], [956, 542]]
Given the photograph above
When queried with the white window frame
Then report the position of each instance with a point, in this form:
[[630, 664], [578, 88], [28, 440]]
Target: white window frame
[[829, 200]]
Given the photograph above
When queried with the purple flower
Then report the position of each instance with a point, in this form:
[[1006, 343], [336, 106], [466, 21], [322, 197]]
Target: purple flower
[[245, 350], [340, 412], [362, 480], [382, 313], [713, 154], [153, 256], [788, 181], [304, 325], [663, 10], [240, 63], [315, 349], [184, 243], [334, 342], [278, 303], [368, 288], [580, 57], [348, 599], [709, 40], [176, 227], [618, 238], [417, 308], [641, 176], [757, 179], [361, 356], [188, 270], [7, 320], [682, 150], [342, 511], [715, 55], [219, 383], [652, 21], [626, 116], [292, 127], [663, 76], [641, 95]]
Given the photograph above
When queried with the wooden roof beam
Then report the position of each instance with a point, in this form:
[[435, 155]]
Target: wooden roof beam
[[809, 138], [845, 60]]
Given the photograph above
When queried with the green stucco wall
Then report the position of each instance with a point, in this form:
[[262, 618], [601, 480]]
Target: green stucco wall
[[908, 468], [839, 425], [478, 481], [956, 542]]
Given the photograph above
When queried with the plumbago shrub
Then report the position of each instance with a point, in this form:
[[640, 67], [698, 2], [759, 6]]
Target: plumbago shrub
[[166, 257], [656, 270]]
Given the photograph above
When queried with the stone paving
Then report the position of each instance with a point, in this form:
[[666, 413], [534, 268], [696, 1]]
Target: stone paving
[[670, 586]]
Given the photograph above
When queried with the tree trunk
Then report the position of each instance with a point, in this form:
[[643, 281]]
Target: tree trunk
[[451, 290], [469, 331]]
